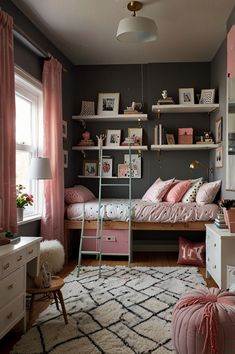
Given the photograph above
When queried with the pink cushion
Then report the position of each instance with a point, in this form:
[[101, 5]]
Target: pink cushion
[[176, 192], [191, 253], [204, 317], [207, 192], [157, 190], [78, 194]]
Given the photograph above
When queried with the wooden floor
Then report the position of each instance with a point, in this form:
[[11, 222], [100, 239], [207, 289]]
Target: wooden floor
[[140, 259]]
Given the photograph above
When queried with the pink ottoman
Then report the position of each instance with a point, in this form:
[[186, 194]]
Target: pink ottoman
[[204, 322]]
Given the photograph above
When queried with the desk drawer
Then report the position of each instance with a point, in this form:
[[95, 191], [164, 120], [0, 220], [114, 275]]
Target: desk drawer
[[11, 286], [32, 251], [12, 262], [8, 315]]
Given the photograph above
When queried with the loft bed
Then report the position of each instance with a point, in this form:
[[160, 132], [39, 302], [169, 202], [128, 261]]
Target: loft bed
[[163, 216]]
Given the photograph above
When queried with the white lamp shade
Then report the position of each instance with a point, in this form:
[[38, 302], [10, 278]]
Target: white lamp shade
[[40, 168], [137, 29]]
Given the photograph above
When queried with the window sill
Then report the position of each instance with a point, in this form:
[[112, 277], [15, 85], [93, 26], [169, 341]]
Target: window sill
[[29, 219]]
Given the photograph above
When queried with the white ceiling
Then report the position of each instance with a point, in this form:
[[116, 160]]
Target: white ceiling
[[84, 30]]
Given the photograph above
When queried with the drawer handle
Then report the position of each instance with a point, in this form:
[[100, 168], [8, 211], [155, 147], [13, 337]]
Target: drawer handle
[[208, 259], [214, 267], [9, 315], [10, 287], [30, 252], [7, 265], [214, 244], [19, 259]]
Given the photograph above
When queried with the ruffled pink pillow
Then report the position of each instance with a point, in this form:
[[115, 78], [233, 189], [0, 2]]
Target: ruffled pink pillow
[[207, 192], [157, 190], [78, 194], [176, 192]]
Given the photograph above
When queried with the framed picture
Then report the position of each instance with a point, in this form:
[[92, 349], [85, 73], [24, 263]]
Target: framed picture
[[108, 103], [90, 167], [66, 159], [136, 134], [219, 157], [113, 137], [186, 95], [218, 130], [64, 129], [107, 166], [135, 165], [123, 170], [207, 96], [170, 139]]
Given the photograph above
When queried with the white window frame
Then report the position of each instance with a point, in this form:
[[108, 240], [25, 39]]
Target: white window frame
[[28, 87]]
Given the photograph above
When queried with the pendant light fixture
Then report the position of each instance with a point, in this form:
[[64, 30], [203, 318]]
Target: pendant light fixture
[[136, 28]]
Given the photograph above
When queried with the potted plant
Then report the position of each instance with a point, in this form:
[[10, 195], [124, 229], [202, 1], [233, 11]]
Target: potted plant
[[228, 206], [22, 200]]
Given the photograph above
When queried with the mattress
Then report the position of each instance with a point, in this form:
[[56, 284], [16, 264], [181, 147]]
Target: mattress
[[142, 211]]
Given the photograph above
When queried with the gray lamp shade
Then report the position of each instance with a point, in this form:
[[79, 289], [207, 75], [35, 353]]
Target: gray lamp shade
[[137, 29], [40, 168]]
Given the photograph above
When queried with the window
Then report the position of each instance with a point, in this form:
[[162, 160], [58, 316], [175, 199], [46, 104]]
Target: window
[[28, 97]]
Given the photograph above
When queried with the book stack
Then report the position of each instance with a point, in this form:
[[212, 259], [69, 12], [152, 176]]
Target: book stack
[[159, 135], [168, 100], [220, 222]]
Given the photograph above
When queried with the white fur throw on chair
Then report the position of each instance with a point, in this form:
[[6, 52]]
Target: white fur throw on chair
[[52, 254]]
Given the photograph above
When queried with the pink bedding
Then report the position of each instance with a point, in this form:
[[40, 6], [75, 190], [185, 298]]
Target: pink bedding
[[143, 211]]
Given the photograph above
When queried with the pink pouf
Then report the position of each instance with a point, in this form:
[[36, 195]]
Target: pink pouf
[[204, 322]]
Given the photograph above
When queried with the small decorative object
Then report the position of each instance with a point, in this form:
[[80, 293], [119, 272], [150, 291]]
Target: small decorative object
[[186, 96], [22, 200], [128, 141], [64, 129], [107, 164], [220, 221], [88, 108], [86, 139], [108, 103], [90, 168], [185, 135], [228, 206], [219, 157], [191, 253], [136, 134], [207, 96], [113, 137], [123, 170], [66, 159], [135, 165], [164, 94], [165, 99], [135, 108], [170, 139], [218, 130]]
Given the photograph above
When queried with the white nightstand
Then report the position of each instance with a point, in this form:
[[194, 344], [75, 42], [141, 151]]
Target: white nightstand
[[220, 252]]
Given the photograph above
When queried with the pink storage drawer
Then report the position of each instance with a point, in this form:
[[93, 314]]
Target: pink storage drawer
[[185, 135], [115, 242]]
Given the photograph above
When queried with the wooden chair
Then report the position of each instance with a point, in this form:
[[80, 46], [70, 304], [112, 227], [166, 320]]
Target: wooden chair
[[56, 285]]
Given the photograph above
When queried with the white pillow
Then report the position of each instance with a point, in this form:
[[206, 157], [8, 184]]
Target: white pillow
[[190, 195], [157, 190], [207, 192]]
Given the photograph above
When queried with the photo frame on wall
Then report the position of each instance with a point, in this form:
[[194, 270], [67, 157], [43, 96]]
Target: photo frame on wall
[[123, 170], [113, 137], [135, 165], [64, 129], [219, 157], [90, 168], [136, 134], [108, 104], [207, 96], [170, 139], [66, 159], [186, 96], [107, 166], [218, 130]]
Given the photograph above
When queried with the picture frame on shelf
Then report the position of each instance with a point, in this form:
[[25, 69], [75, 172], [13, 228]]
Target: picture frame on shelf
[[207, 96], [66, 159], [123, 170], [218, 130], [113, 137], [64, 129], [135, 165], [108, 104], [219, 157], [107, 166], [87, 108], [136, 134], [170, 139], [90, 168], [186, 96]]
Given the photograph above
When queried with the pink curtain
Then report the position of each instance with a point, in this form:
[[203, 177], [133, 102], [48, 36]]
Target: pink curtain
[[7, 126], [52, 225]]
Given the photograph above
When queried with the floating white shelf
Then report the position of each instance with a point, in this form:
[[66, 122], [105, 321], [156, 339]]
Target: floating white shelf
[[184, 147], [189, 108], [113, 177], [125, 148], [116, 118]]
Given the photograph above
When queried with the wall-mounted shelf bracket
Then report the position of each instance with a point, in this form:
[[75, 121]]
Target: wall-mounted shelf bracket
[[83, 123], [158, 113], [83, 154]]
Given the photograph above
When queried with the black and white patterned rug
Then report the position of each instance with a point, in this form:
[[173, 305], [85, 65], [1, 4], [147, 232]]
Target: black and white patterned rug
[[125, 311]]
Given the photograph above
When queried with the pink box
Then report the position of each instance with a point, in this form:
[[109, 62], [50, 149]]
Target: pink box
[[185, 135], [115, 242]]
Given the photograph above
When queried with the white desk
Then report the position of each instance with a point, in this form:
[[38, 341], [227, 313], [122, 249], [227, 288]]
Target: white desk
[[15, 261]]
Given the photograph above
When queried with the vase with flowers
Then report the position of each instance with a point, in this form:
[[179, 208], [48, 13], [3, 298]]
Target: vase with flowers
[[22, 200], [228, 206]]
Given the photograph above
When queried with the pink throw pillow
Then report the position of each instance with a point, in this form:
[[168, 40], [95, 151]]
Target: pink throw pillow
[[78, 194], [177, 191], [192, 253], [157, 190], [207, 192]]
